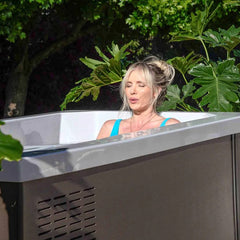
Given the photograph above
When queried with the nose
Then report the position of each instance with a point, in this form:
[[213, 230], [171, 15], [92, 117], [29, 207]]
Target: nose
[[133, 89]]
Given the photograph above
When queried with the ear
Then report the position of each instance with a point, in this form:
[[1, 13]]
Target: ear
[[157, 92]]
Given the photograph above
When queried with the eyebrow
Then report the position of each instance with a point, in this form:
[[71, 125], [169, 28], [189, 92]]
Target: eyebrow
[[144, 82]]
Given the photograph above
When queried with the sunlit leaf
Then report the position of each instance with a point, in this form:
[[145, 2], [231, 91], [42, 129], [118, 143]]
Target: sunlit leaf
[[173, 93], [183, 64], [101, 54], [91, 63], [219, 85], [188, 89], [10, 148], [227, 39], [167, 106]]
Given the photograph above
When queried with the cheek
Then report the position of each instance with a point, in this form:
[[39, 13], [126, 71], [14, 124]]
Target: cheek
[[147, 96], [127, 91]]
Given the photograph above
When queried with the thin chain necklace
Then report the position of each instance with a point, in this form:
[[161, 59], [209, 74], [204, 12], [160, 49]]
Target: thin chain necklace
[[142, 125]]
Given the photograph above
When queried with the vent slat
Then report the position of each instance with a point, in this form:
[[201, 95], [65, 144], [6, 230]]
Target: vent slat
[[76, 230], [86, 193], [74, 196], [89, 222], [59, 215], [61, 223], [60, 208], [74, 201], [44, 232], [89, 208], [44, 204], [43, 219], [75, 227], [59, 197], [76, 218], [76, 233], [44, 211], [60, 235]]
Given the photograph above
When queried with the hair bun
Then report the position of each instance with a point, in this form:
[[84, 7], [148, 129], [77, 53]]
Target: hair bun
[[167, 69]]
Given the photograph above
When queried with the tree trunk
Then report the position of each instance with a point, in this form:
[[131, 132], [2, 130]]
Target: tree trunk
[[17, 85], [16, 93]]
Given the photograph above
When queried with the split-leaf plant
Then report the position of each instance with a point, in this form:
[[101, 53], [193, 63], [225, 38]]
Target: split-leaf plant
[[10, 148], [210, 85], [107, 71]]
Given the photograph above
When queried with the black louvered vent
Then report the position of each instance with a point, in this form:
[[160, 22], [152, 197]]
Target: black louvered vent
[[71, 216]]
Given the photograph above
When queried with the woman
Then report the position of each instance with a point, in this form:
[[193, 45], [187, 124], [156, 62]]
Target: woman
[[143, 87]]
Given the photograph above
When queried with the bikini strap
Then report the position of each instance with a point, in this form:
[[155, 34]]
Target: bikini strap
[[164, 122], [115, 128]]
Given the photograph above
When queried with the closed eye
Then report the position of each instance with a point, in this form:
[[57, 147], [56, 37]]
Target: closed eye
[[128, 84]]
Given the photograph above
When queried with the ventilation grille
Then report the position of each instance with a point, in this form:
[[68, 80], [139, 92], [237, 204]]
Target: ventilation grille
[[71, 216]]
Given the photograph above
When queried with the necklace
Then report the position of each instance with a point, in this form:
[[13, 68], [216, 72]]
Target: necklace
[[142, 125]]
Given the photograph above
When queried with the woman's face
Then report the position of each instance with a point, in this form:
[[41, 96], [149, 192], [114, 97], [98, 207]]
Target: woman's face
[[139, 94]]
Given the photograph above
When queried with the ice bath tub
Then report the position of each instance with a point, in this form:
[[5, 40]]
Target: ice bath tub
[[176, 182]]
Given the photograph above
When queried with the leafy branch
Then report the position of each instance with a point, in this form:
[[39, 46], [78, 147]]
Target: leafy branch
[[104, 72]]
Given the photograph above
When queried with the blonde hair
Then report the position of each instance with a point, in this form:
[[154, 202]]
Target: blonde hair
[[157, 74]]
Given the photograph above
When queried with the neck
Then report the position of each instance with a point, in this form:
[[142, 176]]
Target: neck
[[140, 120], [138, 116]]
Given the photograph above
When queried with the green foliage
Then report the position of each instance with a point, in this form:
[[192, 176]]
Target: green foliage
[[176, 98], [209, 85], [228, 39], [219, 85], [105, 72], [194, 30], [232, 3], [152, 17], [149, 16], [15, 15], [184, 64], [10, 148], [214, 86]]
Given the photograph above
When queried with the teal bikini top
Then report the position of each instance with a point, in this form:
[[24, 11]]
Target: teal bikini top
[[117, 124]]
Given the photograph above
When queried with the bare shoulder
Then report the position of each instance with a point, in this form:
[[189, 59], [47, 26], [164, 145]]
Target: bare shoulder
[[172, 121], [106, 129], [108, 124]]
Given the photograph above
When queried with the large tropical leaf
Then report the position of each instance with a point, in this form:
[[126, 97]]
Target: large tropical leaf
[[184, 64], [121, 53], [173, 98], [91, 63], [176, 98], [219, 84], [106, 72], [10, 148], [227, 39], [188, 90]]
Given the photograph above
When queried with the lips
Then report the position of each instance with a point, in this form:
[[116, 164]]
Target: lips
[[133, 100]]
